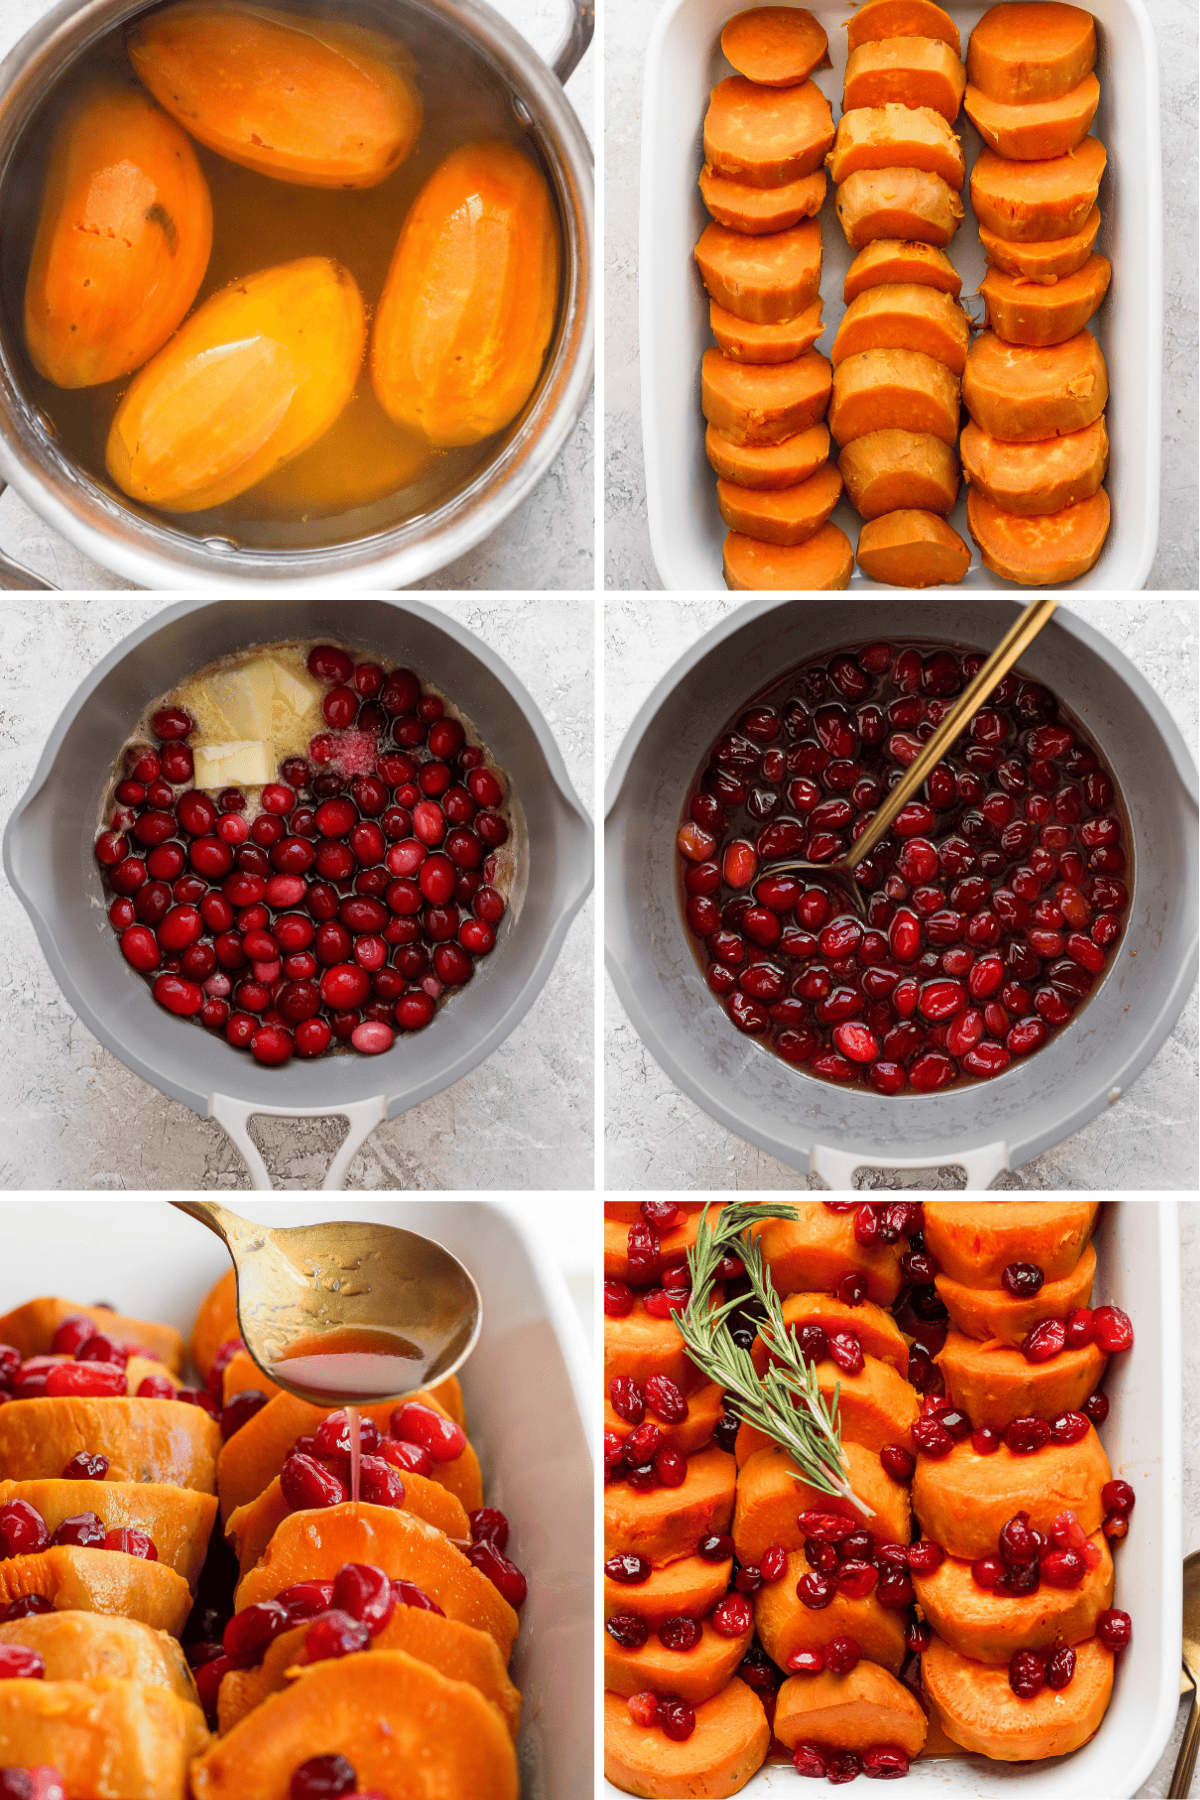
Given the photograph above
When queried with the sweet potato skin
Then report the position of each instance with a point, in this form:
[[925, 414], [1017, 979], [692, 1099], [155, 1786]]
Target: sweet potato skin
[[890, 469], [765, 279], [1032, 313], [911, 548], [898, 203], [1038, 478], [894, 136], [1027, 132], [886, 260], [1041, 551], [1045, 262], [766, 136], [781, 515], [768, 465], [1037, 202], [904, 316], [900, 388], [1019, 394], [823, 561], [913, 71]]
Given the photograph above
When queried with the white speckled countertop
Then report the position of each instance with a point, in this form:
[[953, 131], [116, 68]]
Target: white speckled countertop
[[629, 562], [657, 1138], [548, 542], [73, 1117]]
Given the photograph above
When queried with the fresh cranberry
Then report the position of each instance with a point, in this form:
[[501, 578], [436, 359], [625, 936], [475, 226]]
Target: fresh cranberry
[[1026, 1436], [1114, 1629], [899, 1462], [419, 1424], [677, 1718], [1113, 1330]]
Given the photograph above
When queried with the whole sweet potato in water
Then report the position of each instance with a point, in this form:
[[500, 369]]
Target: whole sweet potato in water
[[123, 238]]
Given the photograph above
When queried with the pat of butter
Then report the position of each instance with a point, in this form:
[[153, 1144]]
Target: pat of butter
[[242, 764], [297, 696], [244, 698]]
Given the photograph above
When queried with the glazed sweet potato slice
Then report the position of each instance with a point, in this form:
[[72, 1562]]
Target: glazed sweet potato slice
[[216, 1322], [758, 209], [1033, 50], [825, 560], [818, 1247], [904, 389], [1031, 312], [764, 135], [993, 1315], [889, 469], [766, 278], [386, 1713], [877, 1407], [963, 1500], [994, 1383], [728, 1746], [1036, 478], [1019, 394], [74, 1579], [251, 1528], [674, 1244], [875, 1329], [974, 1242], [1035, 202], [775, 46], [629, 1212], [886, 260], [912, 549], [764, 403], [896, 137], [989, 1627], [667, 1523], [111, 1739], [849, 1712], [1032, 129], [164, 1441], [901, 18], [768, 465], [771, 1492], [746, 341], [907, 71], [977, 1708], [1042, 551], [898, 203], [705, 1407], [781, 515], [84, 1646], [31, 1328], [1045, 262], [641, 1346], [688, 1588], [179, 1520], [904, 316], [695, 1675]]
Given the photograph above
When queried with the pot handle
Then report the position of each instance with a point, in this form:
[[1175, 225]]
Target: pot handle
[[580, 26], [235, 1115], [15, 577], [836, 1167]]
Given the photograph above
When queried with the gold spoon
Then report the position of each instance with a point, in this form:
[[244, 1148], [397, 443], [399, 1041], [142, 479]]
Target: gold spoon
[[1185, 1762], [345, 1314], [1008, 652]]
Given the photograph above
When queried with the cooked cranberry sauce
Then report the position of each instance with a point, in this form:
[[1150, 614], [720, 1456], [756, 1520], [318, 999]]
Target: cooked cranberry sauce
[[994, 904]]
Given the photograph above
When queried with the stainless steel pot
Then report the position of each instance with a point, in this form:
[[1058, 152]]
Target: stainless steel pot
[[151, 553]]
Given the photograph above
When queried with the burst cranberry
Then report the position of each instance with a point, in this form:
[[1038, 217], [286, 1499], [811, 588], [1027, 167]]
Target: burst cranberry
[[899, 1462], [132, 1542], [925, 1556], [627, 1568], [682, 1635], [643, 1709], [664, 1399], [1044, 1341], [1026, 1674], [816, 1591], [806, 1662], [846, 1351], [1026, 1436], [773, 1563], [23, 1530], [618, 1299], [628, 1630], [931, 1438], [86, 1467], [677, 1718], [808, 1760]]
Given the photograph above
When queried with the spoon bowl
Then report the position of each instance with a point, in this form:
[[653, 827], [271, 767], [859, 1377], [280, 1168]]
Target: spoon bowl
[[1181, 1779]]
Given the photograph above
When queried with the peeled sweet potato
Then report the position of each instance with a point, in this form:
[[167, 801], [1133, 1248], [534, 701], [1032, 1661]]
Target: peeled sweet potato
[[764, 403], [1019, 395], [179, 1520], [764, 135], [240, 1373], [876, 1407], [1042, 477], [994, 1315], [1033, 50], [629, 1212], [900, 388], [216, 1322], [745, 341], [988, 1626], [687, 1588], [729, 1744], [1042, 551], [963, 1501], [818, 1247], [766, 278], [1030, 312], [904, 316], [886, 260], [901, 18], [1037, 202], [321, 102], [781, 515], [994, 1383], [911, 71], [912, 549], [74, 1579], [896, 137], [775, 46], [890, 469], [758, 209], [822, 561], [768, 465], [974, 1241], [85, 1646], [470, 300], [111, 1739], [667, 1523], [695, 1675], [251, 1528], [674, 1244], [1027, 131], [977, 1708], [849, 1712], [875, 1329], [704, 1409], [31, 1328], [898, 203], [164, 1441], [771, 1493], [641, 1346], [1045, 262]]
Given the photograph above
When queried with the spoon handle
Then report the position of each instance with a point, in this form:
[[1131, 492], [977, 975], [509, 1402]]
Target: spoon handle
[[1185, 1762], [230, 1227], [1008, 651]]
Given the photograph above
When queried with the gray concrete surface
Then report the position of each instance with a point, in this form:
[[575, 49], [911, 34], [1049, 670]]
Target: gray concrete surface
[[548, 542], [629, 562], [72, 1117], [656, 1137]]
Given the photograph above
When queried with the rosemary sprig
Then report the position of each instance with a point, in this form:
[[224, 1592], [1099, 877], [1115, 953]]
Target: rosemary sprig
[[786, 1404]]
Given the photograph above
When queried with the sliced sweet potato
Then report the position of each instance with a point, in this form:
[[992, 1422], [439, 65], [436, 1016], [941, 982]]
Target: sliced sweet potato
[[745, 341], [974, 1241], [1030, 312], [765, 135], [251, 1528], [993, 1315], [667, 1523], [164, 1441], [877, 1407], [1034, 202], [641, 1346], [1047, 262], [775, 46], [1036, 478], [904, 316], [216, 1322], [963, 1500], [898, 203], [1019, 395], [688, 1588], [896, 137], [823, 561], [729, 1744], [994, 1383], [768, 465], [312, 1546], [674, 1245], [813, 1252], [242, 1372], [694, 1675], [1034, 50], [767, 278], [1046, 550], [889, 469], [887, 260], [989, 1627], [764, 403], [904, 389], [771, 1492], [99, 1581], [901, 18], [629, 1212], [705, 1407], [110, 1739], [875, 1329], [758, 209], [31, 1328], [910, 71], [85, 1646], [912, 549], [179, 1520], [977, 1708], [387, 1713], [849, 1712], [1029, 130], [781, 515]]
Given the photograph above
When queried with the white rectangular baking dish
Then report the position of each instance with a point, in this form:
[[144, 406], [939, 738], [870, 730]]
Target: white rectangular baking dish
[[528, 1392], [683, 63], [1137, 1247]]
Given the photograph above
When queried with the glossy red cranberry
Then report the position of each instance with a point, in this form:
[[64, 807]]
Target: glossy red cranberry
[[807, 1759], [677, 1718], [842, 1654], [1081, 1328], [682, 1635], [1026, 1436], [1022, 1280], [419, 1424], [85, 1530], [643, 1709], [851, 1289], [806, 1662], [1026, 1675], [504, 1575], [925, 1556], [1095, 1408], [628, 1568], [365, 1593], [488, 1522], [628, 1630], [715, 1548], [132, 1542], [899, 1463], [323, 1778], [932, 1438], [1113, 1330], [827, 1528], [1117, 1496], [1062, 1568], [86, 1467], [23, 1530], [627, 1399], [885, 1762], [308, 1485], [1068, 1428], [1114, 1629], [817, 1591]]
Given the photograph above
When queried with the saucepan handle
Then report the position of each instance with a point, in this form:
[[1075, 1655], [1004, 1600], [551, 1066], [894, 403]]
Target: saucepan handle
[[362, 1117], [581, 23], [15, 577], [837, 1167]]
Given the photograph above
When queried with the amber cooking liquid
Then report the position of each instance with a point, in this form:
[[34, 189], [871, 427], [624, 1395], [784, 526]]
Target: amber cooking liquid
[[366, 474], [354, 1367]]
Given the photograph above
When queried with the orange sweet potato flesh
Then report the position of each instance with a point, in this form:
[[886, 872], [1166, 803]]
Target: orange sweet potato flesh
[[898, 203], [757, 209], [179, 1520], [977, 1708], [695, 1675], [766, 279], [84, 1646], [216, 1322], [629, 1212], [764, 403], [886, 260], [31, 1328], [164, 1441], [989, 1627], [963, 1500], [667, 1523], [1034, 50], [771, 1492], [469, 304], [705, 1407], [641, 1346], [1033, 129], [688, 1588], [912, 549], [974, 1241], [877, 1407], [768, 465], [904, 316], [766, 136], [674, 1245], [894, 136], [822, 561], [849, 1712], [1043, 551], [111, 1739], [241, 1373], [993, 1315], [387, 1713], [781, 515], [1019, 394], [1035, 202], [1036, 478], [1030, 312], [775, 46], [910, 71], [901, 18], [728, 1746], [889, 469], [251, 1528], [813, 1251], [74, 1579], [874, 1328], [901, 388], [1045, 262], [746, 341], [319, 102]]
